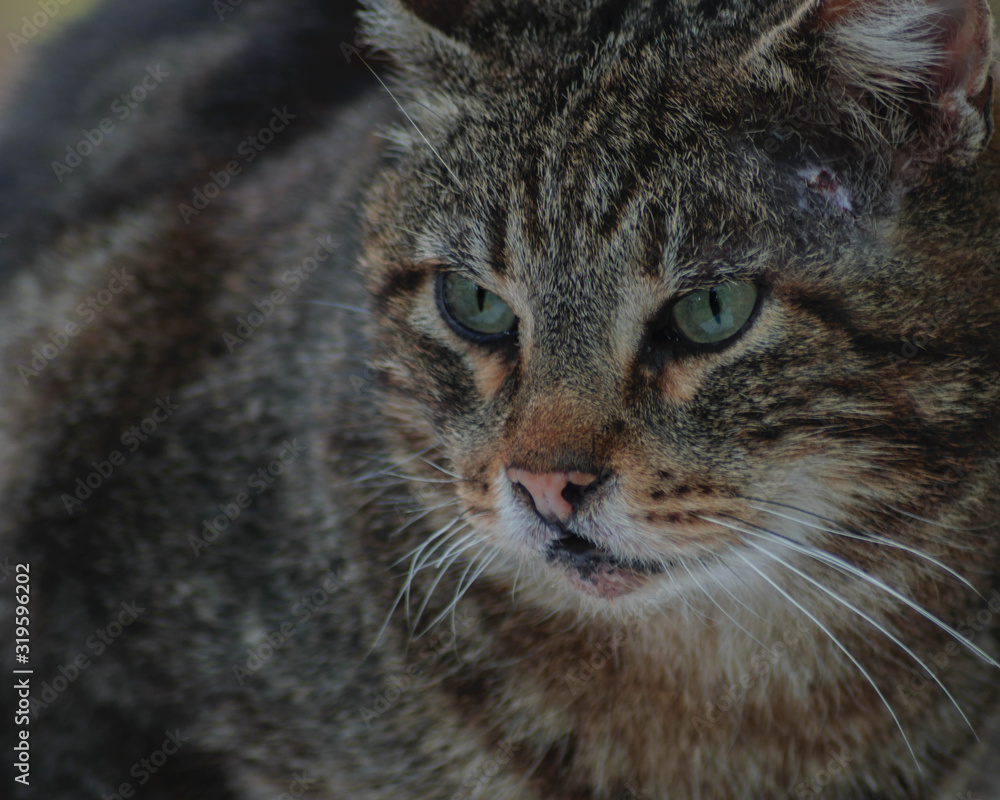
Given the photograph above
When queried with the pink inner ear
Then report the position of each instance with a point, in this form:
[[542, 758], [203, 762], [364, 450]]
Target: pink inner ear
[[957, 31], [969, 46]]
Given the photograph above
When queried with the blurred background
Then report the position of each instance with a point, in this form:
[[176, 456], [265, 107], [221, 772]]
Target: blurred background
[[12, 22]]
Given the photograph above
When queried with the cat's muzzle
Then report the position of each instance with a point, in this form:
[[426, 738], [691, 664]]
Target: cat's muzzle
[[600, 570]]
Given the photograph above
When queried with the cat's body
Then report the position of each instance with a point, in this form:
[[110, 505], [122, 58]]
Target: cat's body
[[262, 466]]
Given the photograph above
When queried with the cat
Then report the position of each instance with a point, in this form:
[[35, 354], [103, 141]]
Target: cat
[[506, 400]]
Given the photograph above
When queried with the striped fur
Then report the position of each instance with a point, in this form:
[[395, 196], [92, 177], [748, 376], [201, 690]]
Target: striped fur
[[342, 589]]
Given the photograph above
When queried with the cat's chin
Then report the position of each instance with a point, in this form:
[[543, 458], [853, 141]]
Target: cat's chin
[[607, 584], [595, 571]]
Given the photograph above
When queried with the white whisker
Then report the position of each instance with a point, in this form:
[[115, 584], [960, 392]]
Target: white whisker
[[420, 561], [835, 641], [332, 305], [940, 524], [416, 550], [414, 124], [415, 479], [718, 606], [873, 538], [437, 580], [461, 590], [513, 588], [439, 468], [459, 546], [391, 464], [850, 569], [871, 621]]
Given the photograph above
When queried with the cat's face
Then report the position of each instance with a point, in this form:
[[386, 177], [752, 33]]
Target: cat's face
[[655, 333]]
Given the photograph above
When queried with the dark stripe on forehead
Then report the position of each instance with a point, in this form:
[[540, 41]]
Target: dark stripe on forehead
[[496, 233], [655, 224], [533, 232], [618, 206]]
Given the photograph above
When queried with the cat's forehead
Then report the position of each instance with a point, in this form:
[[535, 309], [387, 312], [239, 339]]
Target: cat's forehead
[[607, 197], [649, 243], [614, 156]]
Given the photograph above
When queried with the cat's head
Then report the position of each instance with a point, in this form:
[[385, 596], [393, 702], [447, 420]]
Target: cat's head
[[683, 294]]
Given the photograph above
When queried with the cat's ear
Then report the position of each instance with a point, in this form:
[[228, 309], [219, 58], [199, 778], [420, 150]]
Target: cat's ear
[[418, 32], [912, 77], [440, 14]]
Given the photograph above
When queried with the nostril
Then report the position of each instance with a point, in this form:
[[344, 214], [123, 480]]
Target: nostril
[[521, 491], [574, 493], [553, 494], [579, 486]]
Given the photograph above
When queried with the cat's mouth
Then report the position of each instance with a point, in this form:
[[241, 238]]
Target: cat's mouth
[[594, 569]]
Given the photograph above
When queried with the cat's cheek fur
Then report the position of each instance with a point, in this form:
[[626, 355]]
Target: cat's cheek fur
[[491, 372]]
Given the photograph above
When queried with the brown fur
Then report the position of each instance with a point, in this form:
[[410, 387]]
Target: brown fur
[[590, 165]]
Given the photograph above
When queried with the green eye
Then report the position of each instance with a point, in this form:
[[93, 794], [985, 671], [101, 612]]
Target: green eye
[[472, 311], [709, 316]]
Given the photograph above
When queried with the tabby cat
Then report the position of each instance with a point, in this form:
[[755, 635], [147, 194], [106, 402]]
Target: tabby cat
[[508, 400]]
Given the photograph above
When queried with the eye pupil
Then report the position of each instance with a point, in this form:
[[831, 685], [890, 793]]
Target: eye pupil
[[714, 315], [713, 303], [472, 311]]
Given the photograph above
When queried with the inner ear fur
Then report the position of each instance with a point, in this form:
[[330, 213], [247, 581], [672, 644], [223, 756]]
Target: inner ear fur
[[915, 76]]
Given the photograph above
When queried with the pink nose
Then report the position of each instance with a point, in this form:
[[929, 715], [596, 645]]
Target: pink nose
[[546, 490]]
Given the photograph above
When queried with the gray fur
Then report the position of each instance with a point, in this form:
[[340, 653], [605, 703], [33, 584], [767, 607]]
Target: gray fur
[[590, 163]]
